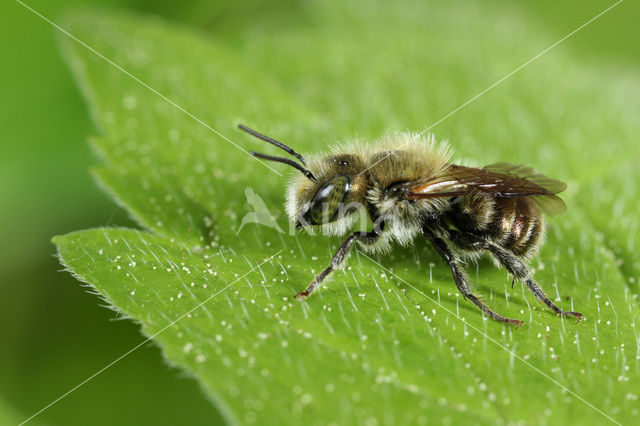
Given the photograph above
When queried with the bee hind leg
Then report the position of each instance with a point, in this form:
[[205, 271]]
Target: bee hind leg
[[458, 276], [340, 255], [539, 293], [513, 264], [520, 270]]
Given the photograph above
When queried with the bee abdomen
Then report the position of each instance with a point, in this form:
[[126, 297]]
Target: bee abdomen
[[514, 223], [517, 225], [473, 213]]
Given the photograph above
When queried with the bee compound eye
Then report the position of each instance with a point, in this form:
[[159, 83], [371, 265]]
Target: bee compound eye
[[325, 204]]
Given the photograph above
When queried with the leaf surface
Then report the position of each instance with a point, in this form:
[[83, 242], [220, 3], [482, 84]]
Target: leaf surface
[[392, 343]]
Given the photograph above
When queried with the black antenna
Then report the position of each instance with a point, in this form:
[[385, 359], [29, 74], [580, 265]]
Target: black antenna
[[304, 171], [272, 141]]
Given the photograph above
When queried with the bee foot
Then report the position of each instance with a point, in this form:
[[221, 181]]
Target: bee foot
[[506, 320], [578, 315], [515, 322], [303, 294]]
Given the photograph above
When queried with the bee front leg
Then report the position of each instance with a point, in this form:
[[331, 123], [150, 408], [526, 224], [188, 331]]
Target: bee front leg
[[458, 276], [341, 254]]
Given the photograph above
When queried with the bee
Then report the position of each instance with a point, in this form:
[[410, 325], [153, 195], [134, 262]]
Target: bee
[[407, 185]]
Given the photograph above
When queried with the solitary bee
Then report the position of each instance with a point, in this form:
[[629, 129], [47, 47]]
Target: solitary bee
[[407, 186]]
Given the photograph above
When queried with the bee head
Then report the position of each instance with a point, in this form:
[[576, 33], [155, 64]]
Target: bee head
[[329, 189], [331, 200]]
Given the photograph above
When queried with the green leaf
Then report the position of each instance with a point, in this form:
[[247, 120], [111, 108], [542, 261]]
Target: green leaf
[[379, 344], [8, 415]]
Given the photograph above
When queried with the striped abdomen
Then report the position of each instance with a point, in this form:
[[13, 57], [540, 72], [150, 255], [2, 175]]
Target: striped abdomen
[[514, 223]]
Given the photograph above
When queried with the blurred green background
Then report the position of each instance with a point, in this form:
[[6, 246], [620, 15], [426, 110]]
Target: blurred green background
[[53, 333]]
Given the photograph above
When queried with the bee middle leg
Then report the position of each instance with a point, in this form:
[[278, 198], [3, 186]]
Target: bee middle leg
[[512, 263], [460, 279], [340, 255]]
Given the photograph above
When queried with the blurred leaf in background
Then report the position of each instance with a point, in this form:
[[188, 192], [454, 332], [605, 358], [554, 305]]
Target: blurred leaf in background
[[58, 336], [53, 333]]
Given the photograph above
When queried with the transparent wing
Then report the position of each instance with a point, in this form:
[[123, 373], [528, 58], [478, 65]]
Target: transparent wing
[[500, 180], [530, 174]]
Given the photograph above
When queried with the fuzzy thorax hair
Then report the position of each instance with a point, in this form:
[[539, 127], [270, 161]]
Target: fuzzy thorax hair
[[372, 168]]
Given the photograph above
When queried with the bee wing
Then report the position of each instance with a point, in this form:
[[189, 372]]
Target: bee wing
[[553, 186], [500, 180]]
